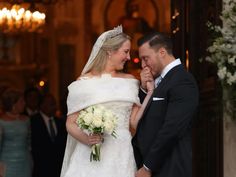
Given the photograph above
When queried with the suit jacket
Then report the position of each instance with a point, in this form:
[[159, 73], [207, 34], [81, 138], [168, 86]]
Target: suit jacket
[[163, 138], [47, 154]]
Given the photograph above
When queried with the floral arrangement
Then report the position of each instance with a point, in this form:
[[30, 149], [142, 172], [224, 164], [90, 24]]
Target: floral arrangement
[[222, 52], [97, 120], [223, 49]]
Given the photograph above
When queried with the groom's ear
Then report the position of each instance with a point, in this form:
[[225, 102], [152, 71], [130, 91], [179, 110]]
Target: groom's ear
[[162, 51]]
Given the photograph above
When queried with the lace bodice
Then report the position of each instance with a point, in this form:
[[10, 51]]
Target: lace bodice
[[122, 110]]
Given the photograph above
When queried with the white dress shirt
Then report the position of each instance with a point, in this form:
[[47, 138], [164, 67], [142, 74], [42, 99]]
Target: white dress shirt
[[169, 67], [30, 112]]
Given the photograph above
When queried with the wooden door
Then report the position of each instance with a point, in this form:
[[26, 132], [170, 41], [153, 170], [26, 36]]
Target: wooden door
[[190, 38]]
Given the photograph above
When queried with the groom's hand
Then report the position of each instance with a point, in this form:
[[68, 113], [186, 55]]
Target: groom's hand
[[142, 172]]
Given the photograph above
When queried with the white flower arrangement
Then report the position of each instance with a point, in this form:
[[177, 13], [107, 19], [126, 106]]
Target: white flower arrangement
[[222, 52], [97, 120]]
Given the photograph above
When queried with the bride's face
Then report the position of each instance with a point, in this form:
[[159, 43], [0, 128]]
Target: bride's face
[[118, 58]]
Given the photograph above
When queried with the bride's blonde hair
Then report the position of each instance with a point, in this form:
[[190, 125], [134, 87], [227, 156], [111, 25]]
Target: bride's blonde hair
[[111, 44]]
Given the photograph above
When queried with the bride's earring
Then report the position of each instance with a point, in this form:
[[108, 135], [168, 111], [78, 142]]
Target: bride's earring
[[109, 54]]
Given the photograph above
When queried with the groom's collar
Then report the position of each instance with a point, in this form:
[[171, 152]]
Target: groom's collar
[[169, 67]]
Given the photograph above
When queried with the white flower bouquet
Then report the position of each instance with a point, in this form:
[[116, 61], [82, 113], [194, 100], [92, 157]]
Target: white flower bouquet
[[97, 120]]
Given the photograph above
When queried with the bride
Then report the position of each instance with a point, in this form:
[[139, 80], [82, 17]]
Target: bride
[[101, 82]]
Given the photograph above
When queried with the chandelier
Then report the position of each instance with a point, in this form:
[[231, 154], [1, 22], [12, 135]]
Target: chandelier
[[18, 16]]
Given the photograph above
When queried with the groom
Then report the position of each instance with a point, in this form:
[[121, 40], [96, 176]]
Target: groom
[[162, 143]]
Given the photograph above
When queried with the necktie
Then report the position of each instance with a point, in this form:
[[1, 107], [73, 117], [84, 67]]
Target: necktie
[[158, 81], [52, 130]]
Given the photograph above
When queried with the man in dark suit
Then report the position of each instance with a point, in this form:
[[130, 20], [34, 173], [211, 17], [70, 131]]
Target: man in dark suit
[[32, 97], [162, 143], [48, 138]]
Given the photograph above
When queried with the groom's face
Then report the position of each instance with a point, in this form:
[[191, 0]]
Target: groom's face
[[150, 58]]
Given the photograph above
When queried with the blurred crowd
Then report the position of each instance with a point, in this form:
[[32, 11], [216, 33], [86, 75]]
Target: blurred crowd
[[32, 134]]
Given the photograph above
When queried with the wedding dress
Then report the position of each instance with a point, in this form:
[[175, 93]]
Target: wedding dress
[[117, 159]]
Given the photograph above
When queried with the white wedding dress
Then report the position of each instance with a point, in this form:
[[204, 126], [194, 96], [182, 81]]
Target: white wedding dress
[[117, 158]]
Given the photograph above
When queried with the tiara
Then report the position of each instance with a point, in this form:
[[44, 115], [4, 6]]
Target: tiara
[[116, 31]]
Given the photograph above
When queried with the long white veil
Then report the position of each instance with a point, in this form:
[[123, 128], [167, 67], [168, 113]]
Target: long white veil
[[98, 44], [71, 142]]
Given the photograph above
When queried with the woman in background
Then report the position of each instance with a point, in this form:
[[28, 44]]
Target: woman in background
[[15, 149]]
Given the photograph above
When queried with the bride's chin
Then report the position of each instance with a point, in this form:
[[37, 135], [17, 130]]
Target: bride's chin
[[121, 67]]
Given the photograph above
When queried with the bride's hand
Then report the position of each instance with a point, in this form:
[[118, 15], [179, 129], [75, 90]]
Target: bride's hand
[[150, 86], [146, 76], [94, 139]]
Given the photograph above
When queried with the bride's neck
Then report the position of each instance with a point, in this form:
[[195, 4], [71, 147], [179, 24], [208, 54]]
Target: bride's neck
[[111, 72]]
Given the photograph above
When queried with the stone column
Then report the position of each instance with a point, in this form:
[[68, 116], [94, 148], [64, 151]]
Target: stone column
[[229, 134]]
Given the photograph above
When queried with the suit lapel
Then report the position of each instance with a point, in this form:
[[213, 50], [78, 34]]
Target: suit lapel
[[147, 106], [162, 85]]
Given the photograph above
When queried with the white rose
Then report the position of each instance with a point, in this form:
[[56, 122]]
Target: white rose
[[88, 118], [97, 122], [82, 113], [109, 127], [98, 112]]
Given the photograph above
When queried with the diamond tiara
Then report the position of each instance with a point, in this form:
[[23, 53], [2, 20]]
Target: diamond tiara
[[117, 30]]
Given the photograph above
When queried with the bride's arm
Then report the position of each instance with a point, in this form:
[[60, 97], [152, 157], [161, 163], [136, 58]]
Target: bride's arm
[[137, 111], [78, 134]]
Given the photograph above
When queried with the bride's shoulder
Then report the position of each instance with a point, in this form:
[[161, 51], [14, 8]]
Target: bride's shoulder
[[85, 76]]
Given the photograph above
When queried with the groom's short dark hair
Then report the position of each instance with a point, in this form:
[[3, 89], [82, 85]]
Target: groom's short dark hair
[[157, 40]]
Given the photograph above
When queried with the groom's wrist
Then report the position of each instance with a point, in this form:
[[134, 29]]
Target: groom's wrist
[[143, 90], [146, 168]]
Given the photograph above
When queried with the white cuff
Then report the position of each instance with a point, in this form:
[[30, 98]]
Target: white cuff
[[146, 168], [144, 91]]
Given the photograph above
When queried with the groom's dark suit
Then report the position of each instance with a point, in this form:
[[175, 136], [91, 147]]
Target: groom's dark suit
[[163, 138]]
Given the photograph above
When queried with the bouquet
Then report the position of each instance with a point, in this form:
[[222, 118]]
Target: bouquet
[[97, 120]]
